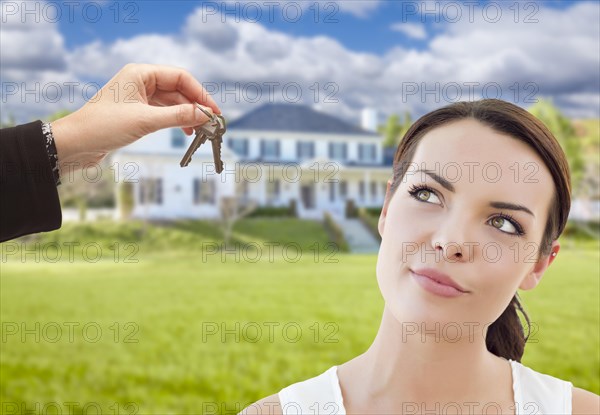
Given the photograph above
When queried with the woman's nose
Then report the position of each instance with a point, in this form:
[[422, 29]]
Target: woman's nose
[[451, 240], [450, 251]]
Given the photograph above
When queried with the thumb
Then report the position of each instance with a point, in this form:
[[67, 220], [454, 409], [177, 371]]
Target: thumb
[[183, 115]]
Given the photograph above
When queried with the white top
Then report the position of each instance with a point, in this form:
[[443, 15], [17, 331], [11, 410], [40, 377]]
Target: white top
[[534, 393]]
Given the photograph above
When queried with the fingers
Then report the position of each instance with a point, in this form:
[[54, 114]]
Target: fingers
[[164, 98], [183, 115], [167, 98], [170, 79]]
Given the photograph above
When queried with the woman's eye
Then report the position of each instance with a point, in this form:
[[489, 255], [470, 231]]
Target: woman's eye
[[499, 222], [423, 195], [504, 223]]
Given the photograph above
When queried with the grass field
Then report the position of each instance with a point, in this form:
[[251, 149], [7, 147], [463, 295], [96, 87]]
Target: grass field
[[178, 333]]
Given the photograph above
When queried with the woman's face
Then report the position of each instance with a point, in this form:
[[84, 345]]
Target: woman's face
[[478, 248]]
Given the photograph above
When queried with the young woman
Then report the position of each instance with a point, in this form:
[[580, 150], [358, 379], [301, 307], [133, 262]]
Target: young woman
[[480, 194]]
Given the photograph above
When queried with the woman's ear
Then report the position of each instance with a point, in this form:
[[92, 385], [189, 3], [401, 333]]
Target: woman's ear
[[535, 275], [386, 202]]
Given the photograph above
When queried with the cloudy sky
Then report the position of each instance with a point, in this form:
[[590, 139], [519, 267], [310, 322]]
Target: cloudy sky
[[337, 56]]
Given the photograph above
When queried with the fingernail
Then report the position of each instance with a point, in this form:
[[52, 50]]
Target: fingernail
[[200, 115]]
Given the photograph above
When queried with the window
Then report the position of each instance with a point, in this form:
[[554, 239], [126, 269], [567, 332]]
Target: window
[[373, 190], [343, 188], [272, 191], [239, 146], [305, 149], [159, 198], [331, 191], [367, 152], [269, 148], [337, 151], [150, 191], [177, 138], [204, 191]]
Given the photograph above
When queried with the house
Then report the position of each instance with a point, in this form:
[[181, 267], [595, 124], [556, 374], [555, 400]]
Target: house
[[277, 154]]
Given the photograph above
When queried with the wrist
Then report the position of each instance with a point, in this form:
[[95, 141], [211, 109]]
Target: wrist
[[64, 141], [69, 141]]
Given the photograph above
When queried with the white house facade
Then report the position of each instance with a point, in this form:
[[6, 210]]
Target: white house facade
[[276, 155]]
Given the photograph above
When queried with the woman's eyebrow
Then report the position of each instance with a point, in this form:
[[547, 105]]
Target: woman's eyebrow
[[450, 187], [445, 183]]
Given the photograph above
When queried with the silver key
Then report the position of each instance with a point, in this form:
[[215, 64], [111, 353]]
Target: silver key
[[216, 147], [217, 140], [212, 130]]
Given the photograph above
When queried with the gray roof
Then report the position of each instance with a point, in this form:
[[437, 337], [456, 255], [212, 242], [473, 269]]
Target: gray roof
[[294, 118]]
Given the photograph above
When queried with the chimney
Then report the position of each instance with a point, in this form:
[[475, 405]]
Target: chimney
[[369, 119]]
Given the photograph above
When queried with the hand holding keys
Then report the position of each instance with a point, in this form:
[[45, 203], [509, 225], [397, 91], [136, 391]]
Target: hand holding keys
[[212, 130]]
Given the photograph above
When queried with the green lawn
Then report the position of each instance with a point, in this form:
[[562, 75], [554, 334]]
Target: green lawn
[[153, 328]]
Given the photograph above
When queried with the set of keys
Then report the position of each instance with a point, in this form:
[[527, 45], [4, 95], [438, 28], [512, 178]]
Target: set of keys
[[212, 130]]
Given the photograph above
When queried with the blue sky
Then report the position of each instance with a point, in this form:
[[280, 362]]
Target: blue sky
[[373, 53], [155, 16], [366, 32]]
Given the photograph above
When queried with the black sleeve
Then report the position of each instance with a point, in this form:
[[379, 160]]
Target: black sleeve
[[29, 200]]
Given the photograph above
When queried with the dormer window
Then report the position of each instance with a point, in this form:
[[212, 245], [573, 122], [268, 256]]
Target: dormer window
[[367, 152], [239, 146], [269, 148], [305, 149], [338, 151]]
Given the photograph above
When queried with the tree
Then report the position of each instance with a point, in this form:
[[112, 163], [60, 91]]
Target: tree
[[58, 115], [232, 209], [10, 122], [395, 128], [564, 131]]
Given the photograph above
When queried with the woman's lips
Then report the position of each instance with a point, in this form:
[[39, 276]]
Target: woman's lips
[[446, 288]]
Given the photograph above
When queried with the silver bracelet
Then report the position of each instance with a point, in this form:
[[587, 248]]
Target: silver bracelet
[[51, 149]]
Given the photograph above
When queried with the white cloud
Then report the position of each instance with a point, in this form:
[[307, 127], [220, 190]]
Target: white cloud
[[33, 66], [358, 8], [318, 9], [558, 55], [25, 44], [412, 30]]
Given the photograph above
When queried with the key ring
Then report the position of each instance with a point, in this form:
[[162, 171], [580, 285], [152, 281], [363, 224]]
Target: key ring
[[208, 114]]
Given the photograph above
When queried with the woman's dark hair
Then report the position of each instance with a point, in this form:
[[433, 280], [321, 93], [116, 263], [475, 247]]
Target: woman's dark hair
[[505, 337]]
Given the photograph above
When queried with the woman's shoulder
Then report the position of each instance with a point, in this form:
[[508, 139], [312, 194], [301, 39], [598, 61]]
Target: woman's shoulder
[[319, 392], [585, 402], [555, 393], [267, 406]]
